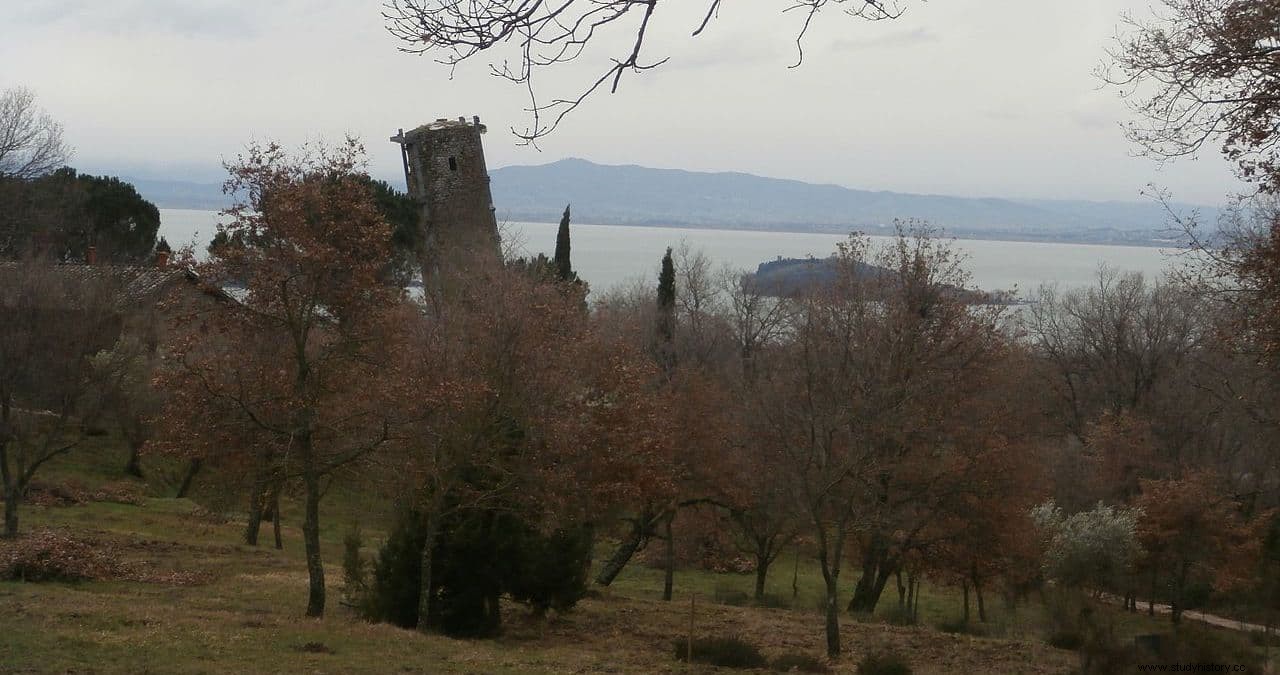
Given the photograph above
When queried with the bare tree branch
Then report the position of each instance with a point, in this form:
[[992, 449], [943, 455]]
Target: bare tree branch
[[31, 142], [548, 33]]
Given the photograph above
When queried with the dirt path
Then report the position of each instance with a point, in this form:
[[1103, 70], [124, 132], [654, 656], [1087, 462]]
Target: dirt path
[[1211, 619]]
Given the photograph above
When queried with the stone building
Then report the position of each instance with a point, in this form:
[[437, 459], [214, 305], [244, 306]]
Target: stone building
[[445, 172]]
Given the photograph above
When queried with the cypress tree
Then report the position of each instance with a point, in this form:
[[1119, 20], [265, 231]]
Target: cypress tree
[[564, 268], [667, 311], [667, 285]]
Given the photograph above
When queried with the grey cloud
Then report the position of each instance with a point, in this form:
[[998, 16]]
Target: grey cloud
[[898, 39], [192, 18], [1005, 115]]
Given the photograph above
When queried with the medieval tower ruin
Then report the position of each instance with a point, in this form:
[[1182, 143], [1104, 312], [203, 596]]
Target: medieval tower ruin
[[445, 173]]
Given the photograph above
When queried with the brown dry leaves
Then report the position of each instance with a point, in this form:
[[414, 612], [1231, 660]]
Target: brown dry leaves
[[75, 493], [52, 555]]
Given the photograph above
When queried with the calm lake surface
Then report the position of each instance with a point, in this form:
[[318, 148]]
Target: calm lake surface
[[608, 255]]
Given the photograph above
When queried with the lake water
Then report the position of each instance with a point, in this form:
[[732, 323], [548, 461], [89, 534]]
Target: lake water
[[607, 255]]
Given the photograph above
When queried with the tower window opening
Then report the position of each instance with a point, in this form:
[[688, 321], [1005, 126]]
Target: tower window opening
[[453, 163]]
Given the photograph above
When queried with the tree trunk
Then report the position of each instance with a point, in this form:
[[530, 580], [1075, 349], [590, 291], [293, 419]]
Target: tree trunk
[[1151, 599], [876, 572], [977, 591], [833, 618], [668, 580], [275, 518], [311, 539], [762, 571], [915, 609], [982, 606], [1176, 605], [12, 491], [192, 469], [613, 566], [965, 585], [902, 590], [133, 467], [257, 503], [426, 594], [795, 574], [11, 498]]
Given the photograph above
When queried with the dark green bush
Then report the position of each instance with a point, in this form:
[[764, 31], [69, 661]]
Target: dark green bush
[[961, 627], [774, 601], [725, 652], [354, 565], [1196, 594], [732, 597], [397, 574], [1203, 645], [1104, 653], [1065, 638], [476, 557], [1260, 639], [899, 616], [552, 569], [796, 662], [884, 662]]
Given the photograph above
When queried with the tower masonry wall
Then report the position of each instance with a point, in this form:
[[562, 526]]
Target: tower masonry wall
[[446, 174]]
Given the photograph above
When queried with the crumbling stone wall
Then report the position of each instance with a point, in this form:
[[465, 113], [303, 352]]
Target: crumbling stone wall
[[446, 173]]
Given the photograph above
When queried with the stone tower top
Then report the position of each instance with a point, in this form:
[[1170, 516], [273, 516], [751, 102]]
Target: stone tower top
[[444, 170]]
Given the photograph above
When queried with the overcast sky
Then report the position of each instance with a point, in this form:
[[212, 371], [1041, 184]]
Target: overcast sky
[[962, 97]]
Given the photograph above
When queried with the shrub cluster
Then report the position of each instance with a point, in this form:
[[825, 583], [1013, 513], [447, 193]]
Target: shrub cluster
[[884, 662], [961, 627], [899, 616], [724, 652], [476, 558]]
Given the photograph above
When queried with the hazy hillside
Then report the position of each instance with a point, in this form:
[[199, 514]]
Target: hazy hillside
[[182, 195], [642, 196], [635, 195]]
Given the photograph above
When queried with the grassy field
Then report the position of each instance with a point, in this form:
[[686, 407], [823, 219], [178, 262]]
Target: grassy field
[[235, 608]]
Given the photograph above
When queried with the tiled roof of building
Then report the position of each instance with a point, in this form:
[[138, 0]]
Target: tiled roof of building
[[138, 284]]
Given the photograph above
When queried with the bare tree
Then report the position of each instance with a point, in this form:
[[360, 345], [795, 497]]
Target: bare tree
[[31, 142], [757, 319], [548, 33], [878, 406], [1204, 71], [1111, 346], [50, 324]]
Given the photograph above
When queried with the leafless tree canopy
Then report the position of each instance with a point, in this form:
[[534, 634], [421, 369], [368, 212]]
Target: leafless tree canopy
[[1205, 71], [551, 32], [31, 142]]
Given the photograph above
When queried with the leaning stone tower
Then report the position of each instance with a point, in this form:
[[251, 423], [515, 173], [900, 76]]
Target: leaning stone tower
[[445, 172]]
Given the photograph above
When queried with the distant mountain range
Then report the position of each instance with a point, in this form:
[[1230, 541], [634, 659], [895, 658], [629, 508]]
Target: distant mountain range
[[636, 195]]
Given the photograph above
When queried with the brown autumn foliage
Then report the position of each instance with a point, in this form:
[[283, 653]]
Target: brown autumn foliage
[[1193, 531], [1121, 452], [290, 379]]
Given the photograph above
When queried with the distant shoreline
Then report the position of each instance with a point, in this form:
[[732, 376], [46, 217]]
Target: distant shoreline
[[1135, 241], [977, 235]]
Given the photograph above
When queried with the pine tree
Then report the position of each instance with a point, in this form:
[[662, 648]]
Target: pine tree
[[564, 268]]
